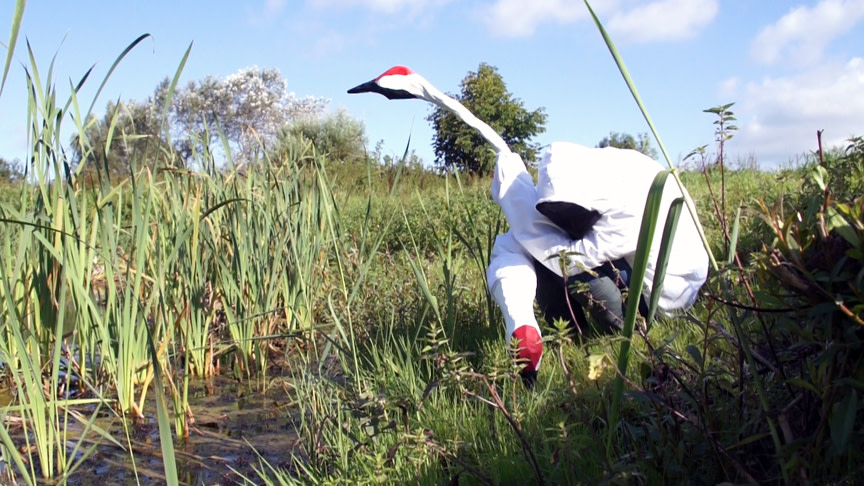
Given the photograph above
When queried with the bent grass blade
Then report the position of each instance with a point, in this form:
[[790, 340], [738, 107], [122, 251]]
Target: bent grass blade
[[745, 347]]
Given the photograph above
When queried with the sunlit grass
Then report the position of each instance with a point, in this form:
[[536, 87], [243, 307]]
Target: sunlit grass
[[126, 286], [363, 286]]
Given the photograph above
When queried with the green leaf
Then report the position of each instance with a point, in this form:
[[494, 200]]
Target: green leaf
[[13, 39], [733, 239], [819, 176], [694, 353], [842, 423], [802, 384], [838, 223], [640, 264], [663, 255], [112, 68], [171, 89]]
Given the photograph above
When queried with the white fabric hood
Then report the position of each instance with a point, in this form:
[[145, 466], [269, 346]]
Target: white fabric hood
[[613, 182], [582, 175]]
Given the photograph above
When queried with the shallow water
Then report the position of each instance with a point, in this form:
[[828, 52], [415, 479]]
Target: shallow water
[[231, 422]]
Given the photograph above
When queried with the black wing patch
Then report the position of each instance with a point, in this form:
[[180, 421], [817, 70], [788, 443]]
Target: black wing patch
[[574, 219]]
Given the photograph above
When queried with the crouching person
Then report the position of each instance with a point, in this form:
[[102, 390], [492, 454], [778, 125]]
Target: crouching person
[[572, 241]]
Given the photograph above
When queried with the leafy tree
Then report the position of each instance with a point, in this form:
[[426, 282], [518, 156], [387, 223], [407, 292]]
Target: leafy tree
[[458, 146], [339, 136], [136, 139], [249, 105], [11, 171], [627, 141]]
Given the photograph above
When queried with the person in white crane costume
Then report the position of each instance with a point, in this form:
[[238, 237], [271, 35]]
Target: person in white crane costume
[[586, 207]]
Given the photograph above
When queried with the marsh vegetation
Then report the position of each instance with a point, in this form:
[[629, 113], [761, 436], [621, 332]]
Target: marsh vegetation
[[326, 318]]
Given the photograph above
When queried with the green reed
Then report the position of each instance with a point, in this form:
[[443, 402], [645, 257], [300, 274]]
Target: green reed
[[140, 283], [736, 320]]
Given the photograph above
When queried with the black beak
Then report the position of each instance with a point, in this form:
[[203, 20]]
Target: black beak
[[368, 87], [373, 87]]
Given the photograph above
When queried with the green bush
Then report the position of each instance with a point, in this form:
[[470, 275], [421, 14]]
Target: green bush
[[339, 136], [814, 269]]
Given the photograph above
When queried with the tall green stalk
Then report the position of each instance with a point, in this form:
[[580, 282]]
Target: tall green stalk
[[48, 245], [650, 218], [745, 347], [13, 39]]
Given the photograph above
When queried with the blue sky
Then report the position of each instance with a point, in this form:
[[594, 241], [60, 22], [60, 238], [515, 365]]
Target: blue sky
[[791, 67]]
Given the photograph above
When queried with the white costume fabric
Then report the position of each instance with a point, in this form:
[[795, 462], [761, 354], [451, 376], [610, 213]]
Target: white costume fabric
[[615, 183]]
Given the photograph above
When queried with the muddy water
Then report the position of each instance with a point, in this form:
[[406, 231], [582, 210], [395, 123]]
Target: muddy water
[[229, 421]]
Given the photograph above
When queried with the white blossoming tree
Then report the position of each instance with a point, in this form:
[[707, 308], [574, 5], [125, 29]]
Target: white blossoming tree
[[250, 106]]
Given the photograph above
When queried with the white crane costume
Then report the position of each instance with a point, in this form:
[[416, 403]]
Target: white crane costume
[[612, 182]]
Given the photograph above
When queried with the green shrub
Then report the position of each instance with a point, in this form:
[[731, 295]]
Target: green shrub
[[814, 268], [339, 136]]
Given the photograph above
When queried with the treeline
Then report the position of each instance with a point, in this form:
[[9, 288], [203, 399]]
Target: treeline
[[245, 116], [251, 115]]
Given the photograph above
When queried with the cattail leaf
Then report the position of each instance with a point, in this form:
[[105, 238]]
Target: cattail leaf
[[663, 256], [842, 422], [640, 264], [13, 39]]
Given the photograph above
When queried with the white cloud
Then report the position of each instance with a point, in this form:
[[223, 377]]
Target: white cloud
[[663, 20], [383, 6], [801, 35], [274, 6], [519, 18], [779, 117], [330, 43], [263, 16], [729, 87], [645, 22]]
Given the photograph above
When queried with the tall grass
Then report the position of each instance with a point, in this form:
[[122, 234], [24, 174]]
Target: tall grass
[[48, 251], [365, 286], [697, 388], [131, 285]]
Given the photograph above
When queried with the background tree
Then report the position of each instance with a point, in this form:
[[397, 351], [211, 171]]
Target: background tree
[[136, 140], [250, 106], [339, 136], [458, 146], [641, 143], [11, 171]]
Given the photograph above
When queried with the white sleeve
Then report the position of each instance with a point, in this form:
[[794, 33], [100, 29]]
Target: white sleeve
[[512, 282], [513, 189]]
